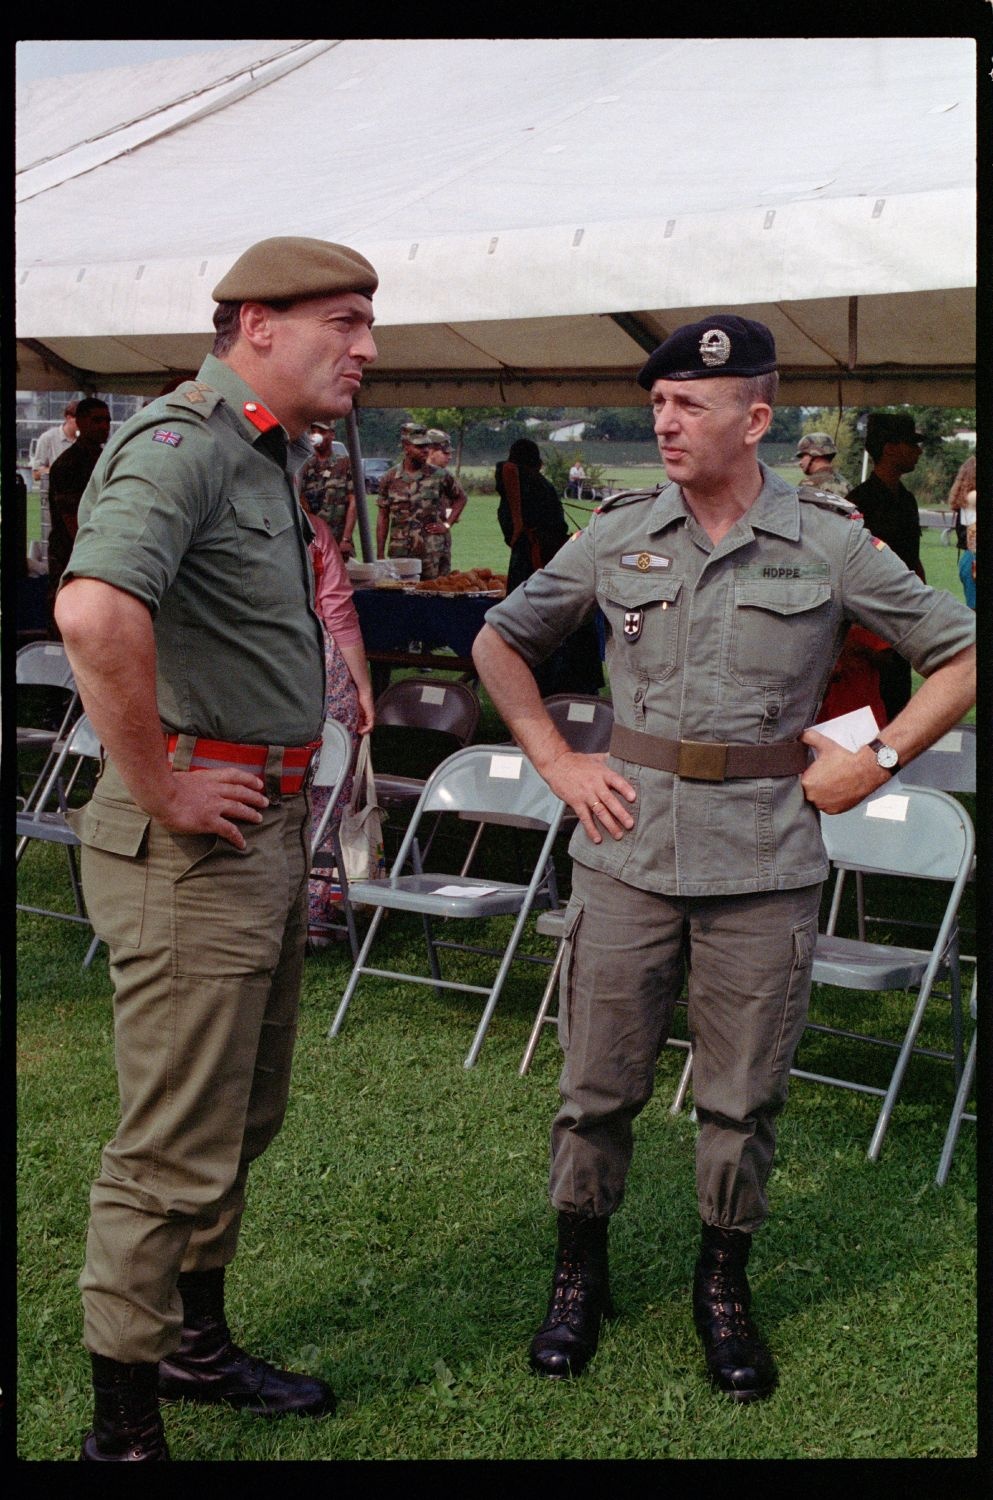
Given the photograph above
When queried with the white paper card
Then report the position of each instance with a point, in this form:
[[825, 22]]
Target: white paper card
[[465, 890], [432, 694], [506, 766], [891, 806], [582, 712], [852, 730], [950, 743]]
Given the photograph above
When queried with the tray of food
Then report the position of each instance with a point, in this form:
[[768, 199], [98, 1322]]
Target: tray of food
[[473, 583]]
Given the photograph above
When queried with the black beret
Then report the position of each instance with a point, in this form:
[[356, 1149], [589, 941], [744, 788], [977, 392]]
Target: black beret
[[720, 345], [292, 266], [891, 427]]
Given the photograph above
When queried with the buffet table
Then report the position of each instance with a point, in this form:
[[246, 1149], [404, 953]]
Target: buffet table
[[443, 623]]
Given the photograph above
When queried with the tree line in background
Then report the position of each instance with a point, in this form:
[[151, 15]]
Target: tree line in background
[[481, 433]]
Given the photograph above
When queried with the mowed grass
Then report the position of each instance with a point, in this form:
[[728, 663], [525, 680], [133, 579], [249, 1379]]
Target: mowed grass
[[398, 1239]]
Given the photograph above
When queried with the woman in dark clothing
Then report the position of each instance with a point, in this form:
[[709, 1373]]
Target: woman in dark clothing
[[534, 527]]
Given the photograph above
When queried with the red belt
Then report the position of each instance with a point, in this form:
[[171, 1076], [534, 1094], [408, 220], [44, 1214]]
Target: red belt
[[284, 768]]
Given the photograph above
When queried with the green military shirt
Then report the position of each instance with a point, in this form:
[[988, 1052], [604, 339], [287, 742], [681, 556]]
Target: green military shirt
[[829, 480], [192, 510], [731, 643], [413, 502]]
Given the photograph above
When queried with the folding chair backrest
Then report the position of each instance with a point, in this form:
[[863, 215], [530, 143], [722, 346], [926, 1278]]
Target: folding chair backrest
[[44, 664], [909, 830], [427, 703], [490, 781], [949, 765], [336, 755], [584, 721]]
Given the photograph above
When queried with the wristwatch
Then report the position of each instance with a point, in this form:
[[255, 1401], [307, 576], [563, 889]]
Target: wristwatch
[[887, 759]]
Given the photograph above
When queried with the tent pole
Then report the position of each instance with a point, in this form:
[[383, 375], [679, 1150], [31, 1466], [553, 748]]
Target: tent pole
[[358, 482]]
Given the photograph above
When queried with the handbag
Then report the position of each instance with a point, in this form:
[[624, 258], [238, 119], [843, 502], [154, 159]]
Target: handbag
[[360, 833]]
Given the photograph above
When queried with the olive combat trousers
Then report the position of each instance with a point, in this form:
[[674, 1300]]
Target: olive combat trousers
[[750, 960], [206, 953]]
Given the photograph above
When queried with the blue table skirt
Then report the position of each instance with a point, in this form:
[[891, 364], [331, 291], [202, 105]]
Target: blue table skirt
[[390, 619]]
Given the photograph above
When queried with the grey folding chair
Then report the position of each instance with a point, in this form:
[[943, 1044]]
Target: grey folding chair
[[45, 664], [46, 822], [928, 836], [495, 782], [959, 1112], [914, 833], [337, 755], [949, 765], [584, 721]]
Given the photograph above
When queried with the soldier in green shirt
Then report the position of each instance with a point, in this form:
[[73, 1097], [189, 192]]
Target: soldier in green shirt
[[187, 611], [814, 453], [726, 594], [327, 489]]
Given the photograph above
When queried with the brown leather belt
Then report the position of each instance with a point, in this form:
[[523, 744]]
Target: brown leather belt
[[706, 760]]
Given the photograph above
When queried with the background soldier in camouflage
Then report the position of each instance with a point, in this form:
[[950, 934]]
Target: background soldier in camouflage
[[326, 488], [414, 499], [814, 453]]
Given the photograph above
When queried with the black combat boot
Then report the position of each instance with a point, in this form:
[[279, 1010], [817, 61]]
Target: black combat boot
[[738, 1362], [209, 1366], [127, 1425], [567, 1339]]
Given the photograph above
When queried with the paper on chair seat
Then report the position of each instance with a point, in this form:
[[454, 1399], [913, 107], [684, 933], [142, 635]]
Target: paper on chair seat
[[465, 890]]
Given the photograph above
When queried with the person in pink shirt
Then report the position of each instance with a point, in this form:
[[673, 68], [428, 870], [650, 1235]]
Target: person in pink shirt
[[348, 693]]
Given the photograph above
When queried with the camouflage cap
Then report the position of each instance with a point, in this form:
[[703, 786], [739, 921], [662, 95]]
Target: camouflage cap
[[420, 440], [288, 267], [723, 344], [437, 438], [411, 429], [817, 444]]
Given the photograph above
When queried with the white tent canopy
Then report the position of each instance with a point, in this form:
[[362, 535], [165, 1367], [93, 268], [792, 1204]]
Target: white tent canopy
[[540, 211]]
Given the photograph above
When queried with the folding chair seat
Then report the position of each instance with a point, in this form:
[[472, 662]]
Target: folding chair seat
[[495, 782], [959, 1112], [46, 822], [334, 761], [911, 834], [44, 664]]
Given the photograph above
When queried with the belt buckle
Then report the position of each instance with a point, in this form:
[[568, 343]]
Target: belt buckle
[[701, 760]]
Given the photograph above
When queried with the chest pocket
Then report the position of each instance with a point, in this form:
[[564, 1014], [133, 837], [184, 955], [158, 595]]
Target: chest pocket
[[780, 631], [267, 548], [650, 606]]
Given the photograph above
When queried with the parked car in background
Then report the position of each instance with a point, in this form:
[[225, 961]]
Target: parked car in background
[[373, 470]]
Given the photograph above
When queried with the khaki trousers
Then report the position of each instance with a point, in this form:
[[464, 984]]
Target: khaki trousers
[[749, 960], [206, 955]]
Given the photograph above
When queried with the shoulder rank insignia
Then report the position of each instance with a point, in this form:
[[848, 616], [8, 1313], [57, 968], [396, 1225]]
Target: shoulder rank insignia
[[828, 500], [163, 435]]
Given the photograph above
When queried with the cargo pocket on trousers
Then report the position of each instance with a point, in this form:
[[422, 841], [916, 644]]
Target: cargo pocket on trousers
[[114, 862], [797, 993], [573, 912]]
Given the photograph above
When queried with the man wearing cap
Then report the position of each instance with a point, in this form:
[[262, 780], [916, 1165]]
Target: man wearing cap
[[187, 611], [414, 499], [814, 453], [326, 487], [890, 513], [726, 593]]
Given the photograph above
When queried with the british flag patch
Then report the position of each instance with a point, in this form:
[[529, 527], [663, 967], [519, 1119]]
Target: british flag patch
[[165, 436]]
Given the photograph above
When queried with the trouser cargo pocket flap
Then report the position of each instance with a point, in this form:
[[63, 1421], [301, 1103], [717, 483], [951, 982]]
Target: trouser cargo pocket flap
[[110, 826]]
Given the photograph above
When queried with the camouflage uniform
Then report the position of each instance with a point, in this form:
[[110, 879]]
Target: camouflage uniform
[[830, 480], [326, 489], [414, 502]]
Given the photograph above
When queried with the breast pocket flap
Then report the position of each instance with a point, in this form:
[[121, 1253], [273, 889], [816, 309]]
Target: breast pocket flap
[[259, 513], [638, 590], [781, 598]]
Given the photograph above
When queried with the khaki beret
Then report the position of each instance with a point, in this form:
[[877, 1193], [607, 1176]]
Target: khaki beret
[[290, 266]]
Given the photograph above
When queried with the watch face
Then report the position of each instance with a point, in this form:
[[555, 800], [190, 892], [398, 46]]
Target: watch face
[[887, 757]]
